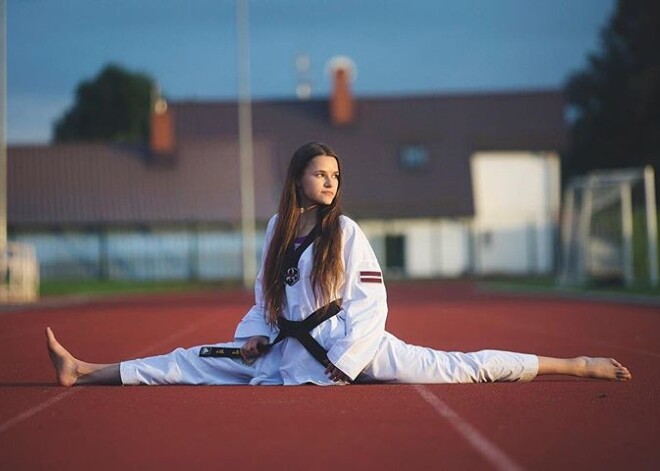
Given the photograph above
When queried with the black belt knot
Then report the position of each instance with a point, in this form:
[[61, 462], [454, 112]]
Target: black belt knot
[[300, 330]]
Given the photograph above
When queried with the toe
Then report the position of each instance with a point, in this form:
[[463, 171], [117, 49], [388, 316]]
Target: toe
[[622, 374]]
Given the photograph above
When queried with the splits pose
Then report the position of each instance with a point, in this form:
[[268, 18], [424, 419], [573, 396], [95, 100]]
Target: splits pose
[[319, 314]]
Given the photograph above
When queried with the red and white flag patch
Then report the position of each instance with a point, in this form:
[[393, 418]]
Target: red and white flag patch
[[371, 277]]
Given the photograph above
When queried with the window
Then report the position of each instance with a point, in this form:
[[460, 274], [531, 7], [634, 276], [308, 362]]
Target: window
[[414, 157]]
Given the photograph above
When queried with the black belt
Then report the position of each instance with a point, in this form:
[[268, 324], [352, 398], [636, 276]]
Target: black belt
[[300, 330]]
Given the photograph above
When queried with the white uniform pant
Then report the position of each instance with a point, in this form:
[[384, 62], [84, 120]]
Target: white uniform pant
[[395, 361]]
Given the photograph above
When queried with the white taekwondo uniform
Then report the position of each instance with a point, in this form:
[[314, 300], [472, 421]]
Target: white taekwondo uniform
[[355, 339]]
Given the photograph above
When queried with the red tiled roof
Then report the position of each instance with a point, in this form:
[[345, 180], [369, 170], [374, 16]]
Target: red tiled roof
[[111, 184], [452, 127]]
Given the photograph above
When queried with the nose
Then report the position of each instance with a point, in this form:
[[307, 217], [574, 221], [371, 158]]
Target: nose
[[328, 182]]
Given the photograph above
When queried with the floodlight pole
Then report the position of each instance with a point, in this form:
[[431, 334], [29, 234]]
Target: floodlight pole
[[246, 152], [3, 124], [651, 224]]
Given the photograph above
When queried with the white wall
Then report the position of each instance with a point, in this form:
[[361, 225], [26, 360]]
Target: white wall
[[516, 197], [454, 245]]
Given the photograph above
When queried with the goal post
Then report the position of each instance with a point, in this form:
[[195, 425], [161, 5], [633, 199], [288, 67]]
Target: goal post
[[609, 231], [652, 224]]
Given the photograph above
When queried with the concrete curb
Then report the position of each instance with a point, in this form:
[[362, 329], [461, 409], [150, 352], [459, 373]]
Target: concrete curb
[[562, 293]]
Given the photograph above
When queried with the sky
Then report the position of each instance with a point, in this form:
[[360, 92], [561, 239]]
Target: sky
[[400, 47]]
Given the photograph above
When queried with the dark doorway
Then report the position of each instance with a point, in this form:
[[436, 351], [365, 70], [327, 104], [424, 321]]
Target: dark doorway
[[395, 255]]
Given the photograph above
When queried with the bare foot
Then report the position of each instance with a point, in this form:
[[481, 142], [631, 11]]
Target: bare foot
[[603, 368], [66, 366]]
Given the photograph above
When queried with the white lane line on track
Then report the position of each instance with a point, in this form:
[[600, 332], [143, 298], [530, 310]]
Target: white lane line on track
[[496, 457], [23, 416], [17, 419]]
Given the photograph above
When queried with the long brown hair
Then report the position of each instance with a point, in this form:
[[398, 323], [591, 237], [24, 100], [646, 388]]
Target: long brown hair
[[327, 272]]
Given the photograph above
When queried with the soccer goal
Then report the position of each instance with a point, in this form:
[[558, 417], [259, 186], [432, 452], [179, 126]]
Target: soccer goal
[[609, 230], [19, 273]]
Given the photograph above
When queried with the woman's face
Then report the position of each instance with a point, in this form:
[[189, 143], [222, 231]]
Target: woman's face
[[320, 181]]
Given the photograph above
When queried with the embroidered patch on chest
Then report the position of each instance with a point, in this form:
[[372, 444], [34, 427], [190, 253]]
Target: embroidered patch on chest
[[291, 276]]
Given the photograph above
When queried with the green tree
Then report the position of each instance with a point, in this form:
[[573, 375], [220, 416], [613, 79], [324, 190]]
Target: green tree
[[616, 99], [113, 106]]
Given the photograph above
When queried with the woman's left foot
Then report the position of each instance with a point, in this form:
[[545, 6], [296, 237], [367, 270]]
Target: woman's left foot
[[603, 368]]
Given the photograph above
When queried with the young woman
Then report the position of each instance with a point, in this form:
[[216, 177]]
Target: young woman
[[319, 314]]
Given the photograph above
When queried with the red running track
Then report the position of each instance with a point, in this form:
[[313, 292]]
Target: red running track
[[551, 423]]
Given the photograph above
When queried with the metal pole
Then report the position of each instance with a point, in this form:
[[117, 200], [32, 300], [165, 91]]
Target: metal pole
[[3, 124], [584, 241], [627, 233], [651, 224], [246, 152], [567, 238]]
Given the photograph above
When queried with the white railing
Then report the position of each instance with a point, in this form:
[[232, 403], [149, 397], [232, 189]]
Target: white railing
[[19, 273]]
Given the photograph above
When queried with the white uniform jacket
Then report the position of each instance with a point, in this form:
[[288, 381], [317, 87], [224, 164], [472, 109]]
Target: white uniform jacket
[[351, 337]]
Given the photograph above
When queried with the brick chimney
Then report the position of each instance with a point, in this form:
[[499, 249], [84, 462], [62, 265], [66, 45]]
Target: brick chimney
[[342, 105], [162, 145], [162, 129]]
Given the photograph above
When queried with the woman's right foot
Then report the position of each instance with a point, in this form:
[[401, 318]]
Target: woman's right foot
[[66, 366]]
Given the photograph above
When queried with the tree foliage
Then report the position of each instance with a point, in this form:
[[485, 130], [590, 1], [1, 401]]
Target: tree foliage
[[114, 106], [616, 99]]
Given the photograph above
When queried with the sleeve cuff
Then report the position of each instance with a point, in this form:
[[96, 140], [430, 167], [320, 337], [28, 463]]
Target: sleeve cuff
[[345, 366], [250, 329]]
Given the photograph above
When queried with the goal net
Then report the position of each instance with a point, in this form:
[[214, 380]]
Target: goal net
[[609, 229], [19, 273]]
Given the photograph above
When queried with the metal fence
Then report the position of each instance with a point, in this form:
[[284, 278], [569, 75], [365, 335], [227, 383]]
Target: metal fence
[[146, 254]]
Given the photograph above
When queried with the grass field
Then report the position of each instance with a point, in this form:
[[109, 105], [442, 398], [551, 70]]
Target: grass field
[[97, 287], [545, 285]]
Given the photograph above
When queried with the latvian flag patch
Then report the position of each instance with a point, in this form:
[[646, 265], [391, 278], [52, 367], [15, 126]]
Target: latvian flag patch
[[371, 277]]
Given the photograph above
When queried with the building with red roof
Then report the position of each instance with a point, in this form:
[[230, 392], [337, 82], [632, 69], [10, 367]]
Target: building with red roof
[[171, 208]]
